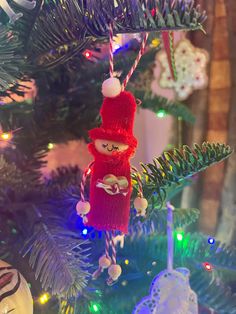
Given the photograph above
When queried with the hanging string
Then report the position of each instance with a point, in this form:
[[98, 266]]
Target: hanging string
[[170, 239], [111, 57], [168, 41], [83, 181], [139, 180], [136, 62]]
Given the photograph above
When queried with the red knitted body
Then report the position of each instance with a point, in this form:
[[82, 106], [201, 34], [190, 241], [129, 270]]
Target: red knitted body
[[109, 212]]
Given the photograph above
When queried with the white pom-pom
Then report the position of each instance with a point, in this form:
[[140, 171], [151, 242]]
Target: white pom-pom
[[111, 87], [104, 262], [114, 271], [83, 208]]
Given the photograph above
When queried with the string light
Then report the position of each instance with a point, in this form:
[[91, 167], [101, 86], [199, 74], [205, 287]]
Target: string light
[[116, 47], [161, 113], [85, 231], [95, 307], [124, 283], [50, 145], [211, 240], [87, 54], [44, 298], [180, 235], [6, 136], [126, 262], [208, 266], [155, 43]]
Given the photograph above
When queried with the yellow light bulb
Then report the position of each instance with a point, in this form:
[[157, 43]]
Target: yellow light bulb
[[126, 262], [155, 42], [44, 298], [6, 136], [50, 145]]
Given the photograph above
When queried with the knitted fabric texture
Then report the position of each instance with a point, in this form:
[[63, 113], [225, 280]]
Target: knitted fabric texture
[[117, 120]]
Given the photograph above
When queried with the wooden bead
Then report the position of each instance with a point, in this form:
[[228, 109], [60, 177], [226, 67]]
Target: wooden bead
[[114, 271], [140, 203], [104, 262], [83, 208]]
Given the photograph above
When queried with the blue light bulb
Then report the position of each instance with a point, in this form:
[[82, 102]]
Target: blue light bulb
[[211, 240], [85, 232]]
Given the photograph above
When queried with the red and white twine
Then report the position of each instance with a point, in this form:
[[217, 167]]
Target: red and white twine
[[139, 180], [111, 56], [136, 62], [107, 240], [83, 181], [113, 248]]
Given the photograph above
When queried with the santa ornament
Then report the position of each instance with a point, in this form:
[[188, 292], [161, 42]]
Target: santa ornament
[[113, 145]]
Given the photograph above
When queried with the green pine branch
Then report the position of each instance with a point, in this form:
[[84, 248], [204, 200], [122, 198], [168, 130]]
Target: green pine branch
[[157, 223], [194, 250], [65, 28], [59, 33], [14, 182], [158, 104], [142, 16], [212, 293], [58, 257], [170, 169], [147, 256], [11, 63]]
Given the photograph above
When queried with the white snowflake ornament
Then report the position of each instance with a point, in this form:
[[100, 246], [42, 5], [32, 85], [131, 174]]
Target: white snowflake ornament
[[190, 65], [170, 293]]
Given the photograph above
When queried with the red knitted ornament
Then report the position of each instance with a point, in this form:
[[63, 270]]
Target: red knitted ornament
[[110, 187]]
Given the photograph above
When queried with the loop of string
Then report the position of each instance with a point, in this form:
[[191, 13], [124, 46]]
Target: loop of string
[[136, 62]]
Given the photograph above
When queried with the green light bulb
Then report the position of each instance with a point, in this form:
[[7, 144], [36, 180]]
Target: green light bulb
[[161, 113], [95, 307], [179, 237]]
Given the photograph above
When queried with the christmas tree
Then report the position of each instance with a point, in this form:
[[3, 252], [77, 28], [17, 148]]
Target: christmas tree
[[57, 48]]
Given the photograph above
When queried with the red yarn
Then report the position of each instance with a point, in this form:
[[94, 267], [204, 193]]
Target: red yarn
[[117, 120], [111, 212]]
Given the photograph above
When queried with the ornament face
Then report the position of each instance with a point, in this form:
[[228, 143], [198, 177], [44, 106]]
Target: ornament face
[[108, 147], [170, 293], [15, 295]]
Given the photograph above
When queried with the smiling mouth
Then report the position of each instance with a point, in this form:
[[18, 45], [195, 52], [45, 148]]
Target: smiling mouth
[[110, 150]]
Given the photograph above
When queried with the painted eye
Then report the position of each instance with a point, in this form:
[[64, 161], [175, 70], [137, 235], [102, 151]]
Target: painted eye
[[104, 145], [115, 147]]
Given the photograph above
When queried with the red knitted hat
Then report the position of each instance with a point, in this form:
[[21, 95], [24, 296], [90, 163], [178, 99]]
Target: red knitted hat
[[117, 120]]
